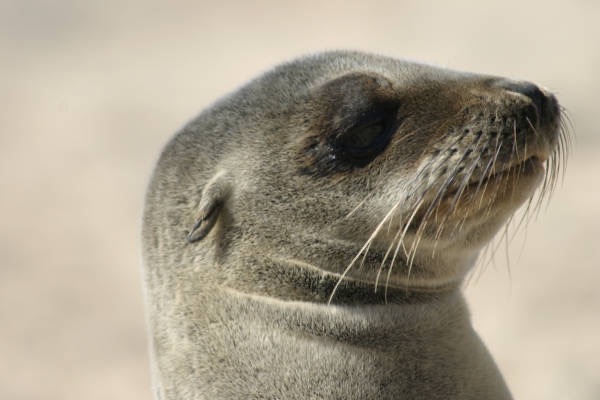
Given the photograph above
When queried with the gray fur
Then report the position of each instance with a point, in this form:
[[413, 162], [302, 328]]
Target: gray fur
[[249, 225]]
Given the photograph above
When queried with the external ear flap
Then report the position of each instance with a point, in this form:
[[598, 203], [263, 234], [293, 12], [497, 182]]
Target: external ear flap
[[214, 196]]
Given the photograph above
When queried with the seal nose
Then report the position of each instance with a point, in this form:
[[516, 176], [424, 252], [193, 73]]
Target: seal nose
[[530, 90], [533, 92]]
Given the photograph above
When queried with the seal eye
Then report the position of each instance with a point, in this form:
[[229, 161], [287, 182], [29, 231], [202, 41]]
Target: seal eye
[[361, 143], [361, 137]]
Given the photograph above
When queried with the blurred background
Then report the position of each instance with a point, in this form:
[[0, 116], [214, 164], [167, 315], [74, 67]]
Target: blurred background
[[91, 90]]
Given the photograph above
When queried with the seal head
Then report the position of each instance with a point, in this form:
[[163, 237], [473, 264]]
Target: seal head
[[419, 165], [363, 182]]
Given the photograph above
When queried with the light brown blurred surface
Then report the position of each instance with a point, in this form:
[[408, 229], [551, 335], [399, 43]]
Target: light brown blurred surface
[[90, 90]]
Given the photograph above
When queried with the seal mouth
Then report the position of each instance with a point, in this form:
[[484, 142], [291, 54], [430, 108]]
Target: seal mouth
[[513, 182], [529, 166]]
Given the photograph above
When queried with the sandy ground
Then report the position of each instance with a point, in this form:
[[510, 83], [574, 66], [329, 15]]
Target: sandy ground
[[90, 91]]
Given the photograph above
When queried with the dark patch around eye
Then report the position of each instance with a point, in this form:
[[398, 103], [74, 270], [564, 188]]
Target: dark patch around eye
[[352, 144], [357, 117]]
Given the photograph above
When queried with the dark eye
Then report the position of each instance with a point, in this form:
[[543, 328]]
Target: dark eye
[[361, 143], [362, 137]]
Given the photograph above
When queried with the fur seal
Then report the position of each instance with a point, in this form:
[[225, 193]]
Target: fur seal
[[306, 237]]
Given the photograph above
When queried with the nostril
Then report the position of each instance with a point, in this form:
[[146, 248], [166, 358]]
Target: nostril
[[528, 89], [534, 93]]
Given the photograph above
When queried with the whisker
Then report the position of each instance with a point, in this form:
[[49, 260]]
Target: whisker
[[386, 255], [365, 246], [359, 205], [401, 242]]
